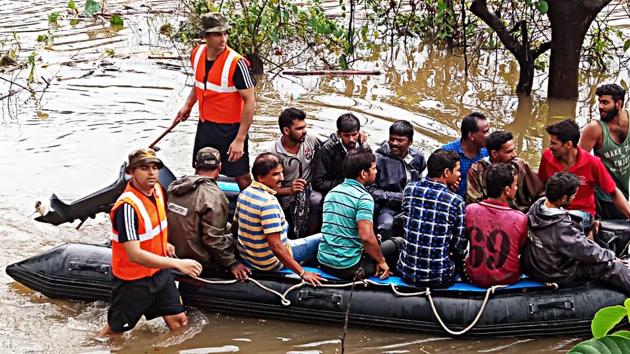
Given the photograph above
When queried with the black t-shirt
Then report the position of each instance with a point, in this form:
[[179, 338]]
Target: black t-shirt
[[126, 221], [243, 78]]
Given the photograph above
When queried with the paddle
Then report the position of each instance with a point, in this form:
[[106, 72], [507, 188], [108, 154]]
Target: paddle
[[168, 130]]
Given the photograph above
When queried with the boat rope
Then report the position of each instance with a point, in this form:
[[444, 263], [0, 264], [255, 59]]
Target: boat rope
[[489, 292], [399, 293]]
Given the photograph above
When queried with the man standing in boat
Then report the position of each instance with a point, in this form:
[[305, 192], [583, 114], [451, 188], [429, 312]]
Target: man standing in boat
[[470, 147], [397, 163], [564, 154], [225, 91], [501, 149], [261, 226], [142, 283], [297, 150], [496, 232], [326, 166], [349, 249], [197, 217], [608, 138], [557, 249], [435, 243]]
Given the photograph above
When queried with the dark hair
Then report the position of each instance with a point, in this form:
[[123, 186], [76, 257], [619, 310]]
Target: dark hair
[[348, 123], [469, 123], [567, 130], [289, 115], [499, 176], [496, 139], [264, 163], [357, 161], [561, 184], [617, 92], [441, 160], [402, 128]]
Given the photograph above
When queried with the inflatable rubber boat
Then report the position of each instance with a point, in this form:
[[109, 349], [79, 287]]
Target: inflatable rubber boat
[[527, 308]]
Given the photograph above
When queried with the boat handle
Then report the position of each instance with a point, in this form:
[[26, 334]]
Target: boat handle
[[564, 305], [101, 268], [312, 294]]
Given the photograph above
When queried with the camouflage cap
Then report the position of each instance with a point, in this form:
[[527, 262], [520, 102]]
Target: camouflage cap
[[213, 22], [207, 157], [142, 157]]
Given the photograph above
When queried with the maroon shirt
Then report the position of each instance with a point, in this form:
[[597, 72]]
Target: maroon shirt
[[496, 234]]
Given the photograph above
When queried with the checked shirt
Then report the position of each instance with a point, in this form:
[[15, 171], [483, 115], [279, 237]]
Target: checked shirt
[[434, 223]]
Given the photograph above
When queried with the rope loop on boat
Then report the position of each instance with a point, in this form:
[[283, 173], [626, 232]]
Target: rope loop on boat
[[397, 292], [489, 292]]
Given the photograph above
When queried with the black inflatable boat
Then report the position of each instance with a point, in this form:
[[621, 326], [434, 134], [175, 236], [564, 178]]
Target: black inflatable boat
[[528, 308]]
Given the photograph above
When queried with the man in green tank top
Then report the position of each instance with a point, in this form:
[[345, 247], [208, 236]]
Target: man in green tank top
[[608, 138]]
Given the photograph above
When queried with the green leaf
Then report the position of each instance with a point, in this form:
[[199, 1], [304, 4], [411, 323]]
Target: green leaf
[[53, 17], [542, 6], [41, 38], [622, 333], [605, 345], [626, 46], [92, 7], [606, 319], [116, 20], [72, 5]]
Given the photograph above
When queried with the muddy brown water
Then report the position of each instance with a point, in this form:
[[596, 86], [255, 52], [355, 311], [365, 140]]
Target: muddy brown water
[[107, 97]]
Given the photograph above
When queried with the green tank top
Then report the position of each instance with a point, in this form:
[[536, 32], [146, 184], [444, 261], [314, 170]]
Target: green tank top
[[616, 158]]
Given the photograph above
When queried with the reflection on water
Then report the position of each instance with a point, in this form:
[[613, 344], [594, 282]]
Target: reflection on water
[[108, 95]]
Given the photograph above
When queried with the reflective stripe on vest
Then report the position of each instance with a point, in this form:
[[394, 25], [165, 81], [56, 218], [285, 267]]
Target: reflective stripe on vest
[[152, 232], [218, 98]]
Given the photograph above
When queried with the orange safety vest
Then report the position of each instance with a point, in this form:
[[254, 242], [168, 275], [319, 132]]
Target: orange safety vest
[[152, 231], [219, 100]]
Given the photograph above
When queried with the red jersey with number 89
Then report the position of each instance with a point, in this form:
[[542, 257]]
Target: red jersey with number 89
[[496, 233]]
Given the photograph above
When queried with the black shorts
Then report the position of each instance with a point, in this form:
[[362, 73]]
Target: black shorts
[[152, 297], [220, 136]]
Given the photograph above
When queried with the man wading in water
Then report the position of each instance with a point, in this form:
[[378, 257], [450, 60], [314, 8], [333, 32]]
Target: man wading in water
[[142, 283]]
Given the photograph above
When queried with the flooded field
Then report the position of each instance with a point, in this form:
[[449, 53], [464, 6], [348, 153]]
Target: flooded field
[[103, 92]]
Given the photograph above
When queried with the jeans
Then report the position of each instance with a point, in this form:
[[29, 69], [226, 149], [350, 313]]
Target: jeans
[[305, 249], [385, 223], [586, 217]]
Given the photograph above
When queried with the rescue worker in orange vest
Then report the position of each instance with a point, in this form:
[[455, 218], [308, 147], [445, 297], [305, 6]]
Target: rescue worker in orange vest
[[224, 89], [142, 283]]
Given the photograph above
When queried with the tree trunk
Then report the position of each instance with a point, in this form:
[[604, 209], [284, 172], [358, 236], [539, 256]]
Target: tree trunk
[[570, 20]]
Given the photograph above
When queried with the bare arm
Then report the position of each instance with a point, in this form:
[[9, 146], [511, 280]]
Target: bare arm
[[235, 150], [372, 248], [591, 137], [137, 255], [620, 202], [184, 112]]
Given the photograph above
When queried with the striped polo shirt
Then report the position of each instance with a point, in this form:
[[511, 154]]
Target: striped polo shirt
[[258, 214], [344, 206]]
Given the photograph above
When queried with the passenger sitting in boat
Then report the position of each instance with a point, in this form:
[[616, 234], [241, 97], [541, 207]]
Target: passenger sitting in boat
[[349, 248], [470, 147], [557, 249], [297, 149], [501, 148], [397, 164], [564, 154], [197, 211], [434, 222], [495, 231], [608, 138], [327, 164], [261, 226]]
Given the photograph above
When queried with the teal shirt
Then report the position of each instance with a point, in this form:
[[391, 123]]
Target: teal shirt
[[344, 206], [616, 158]]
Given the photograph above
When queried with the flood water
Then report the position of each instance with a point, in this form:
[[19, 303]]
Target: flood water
[[108, 95]]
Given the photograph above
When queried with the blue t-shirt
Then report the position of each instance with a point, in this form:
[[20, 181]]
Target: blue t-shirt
[[464, 163], [344, 206]]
